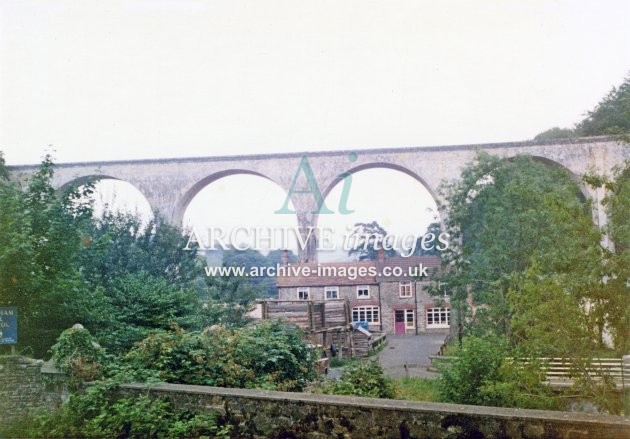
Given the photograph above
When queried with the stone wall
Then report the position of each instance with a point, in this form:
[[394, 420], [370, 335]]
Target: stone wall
[[266, 414], [25, 388]]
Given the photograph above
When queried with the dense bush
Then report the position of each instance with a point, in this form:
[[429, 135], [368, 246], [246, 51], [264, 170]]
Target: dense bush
[[362, 379], [269, 355], [97, 414], [483, 374], [78, 354]]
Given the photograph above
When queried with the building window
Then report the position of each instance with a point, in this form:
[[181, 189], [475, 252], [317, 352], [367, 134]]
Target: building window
[[363, 292], [331, 292], [438, 317], [410, 319], [368, 314], [405, 289], [302, 293]]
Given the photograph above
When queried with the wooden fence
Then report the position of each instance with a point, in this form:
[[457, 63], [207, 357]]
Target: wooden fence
[[561, 372]]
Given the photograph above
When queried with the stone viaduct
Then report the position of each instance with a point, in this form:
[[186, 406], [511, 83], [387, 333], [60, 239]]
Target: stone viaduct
[[170, 184]]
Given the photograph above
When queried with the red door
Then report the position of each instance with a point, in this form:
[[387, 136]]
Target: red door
[[399, 321]]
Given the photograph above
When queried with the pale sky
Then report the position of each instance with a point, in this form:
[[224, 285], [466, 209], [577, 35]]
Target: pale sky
[[109, 80], [119, 80]]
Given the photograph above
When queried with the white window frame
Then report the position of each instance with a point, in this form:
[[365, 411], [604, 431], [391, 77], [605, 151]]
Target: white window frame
[[303, 293], [371, 311], [412, 313], [402, 287], [442, 321], [330, 290], [363, 287]]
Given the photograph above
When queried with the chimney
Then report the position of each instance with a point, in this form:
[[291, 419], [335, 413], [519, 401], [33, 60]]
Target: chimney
[[381, 254], [284, 260]]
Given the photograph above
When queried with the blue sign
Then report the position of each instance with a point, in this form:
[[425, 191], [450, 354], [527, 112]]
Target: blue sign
[[8, 325]]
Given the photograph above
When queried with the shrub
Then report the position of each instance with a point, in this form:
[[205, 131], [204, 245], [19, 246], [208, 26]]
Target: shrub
[[78, 354], [477, 362], [269, 355], [483, 374], [362, 379], [97, 413]]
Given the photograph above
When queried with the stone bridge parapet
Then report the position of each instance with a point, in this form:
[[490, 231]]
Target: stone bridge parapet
[[267, 414]]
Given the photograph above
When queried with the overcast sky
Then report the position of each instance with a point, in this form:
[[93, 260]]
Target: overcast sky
[[109, 80], [117, 80]]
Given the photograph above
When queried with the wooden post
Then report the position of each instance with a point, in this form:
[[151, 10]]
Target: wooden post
[[310, 315], [265, 310]]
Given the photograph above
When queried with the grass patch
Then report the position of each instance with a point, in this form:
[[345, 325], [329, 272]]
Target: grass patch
[[343, 362], [416, 389]]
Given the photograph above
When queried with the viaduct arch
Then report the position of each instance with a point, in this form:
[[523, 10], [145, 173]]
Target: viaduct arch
[[170, 184]]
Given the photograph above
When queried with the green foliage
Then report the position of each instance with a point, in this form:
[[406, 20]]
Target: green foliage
[[504, 216], [269, 355], [227, 301], [556, 133], [483, 374], [611, 116], [139, 303], [368, 238], [342, 362], [617, 268], [264, 285], [615, 290], [362, 379], [98, 413], [547, 321], [118, 244], [416, 389], [78, 354], [40, 238], [526, 251], [435, 229], [4, 172], [477, 363]]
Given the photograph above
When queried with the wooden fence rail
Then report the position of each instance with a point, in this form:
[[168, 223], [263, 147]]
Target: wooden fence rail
[[560, 372]]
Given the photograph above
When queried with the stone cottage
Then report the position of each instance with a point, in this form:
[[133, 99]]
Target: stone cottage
[[389, 294]]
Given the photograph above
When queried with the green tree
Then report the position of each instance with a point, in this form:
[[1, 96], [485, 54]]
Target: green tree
[[275, 257], [40, 238], [556, 133], [118, 244], [264, 284], [434, 229], [616, 267], [138, 303], [227, 300], [4, 172], [503, 215], [368, 238], [484, 374], [611, 116]]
